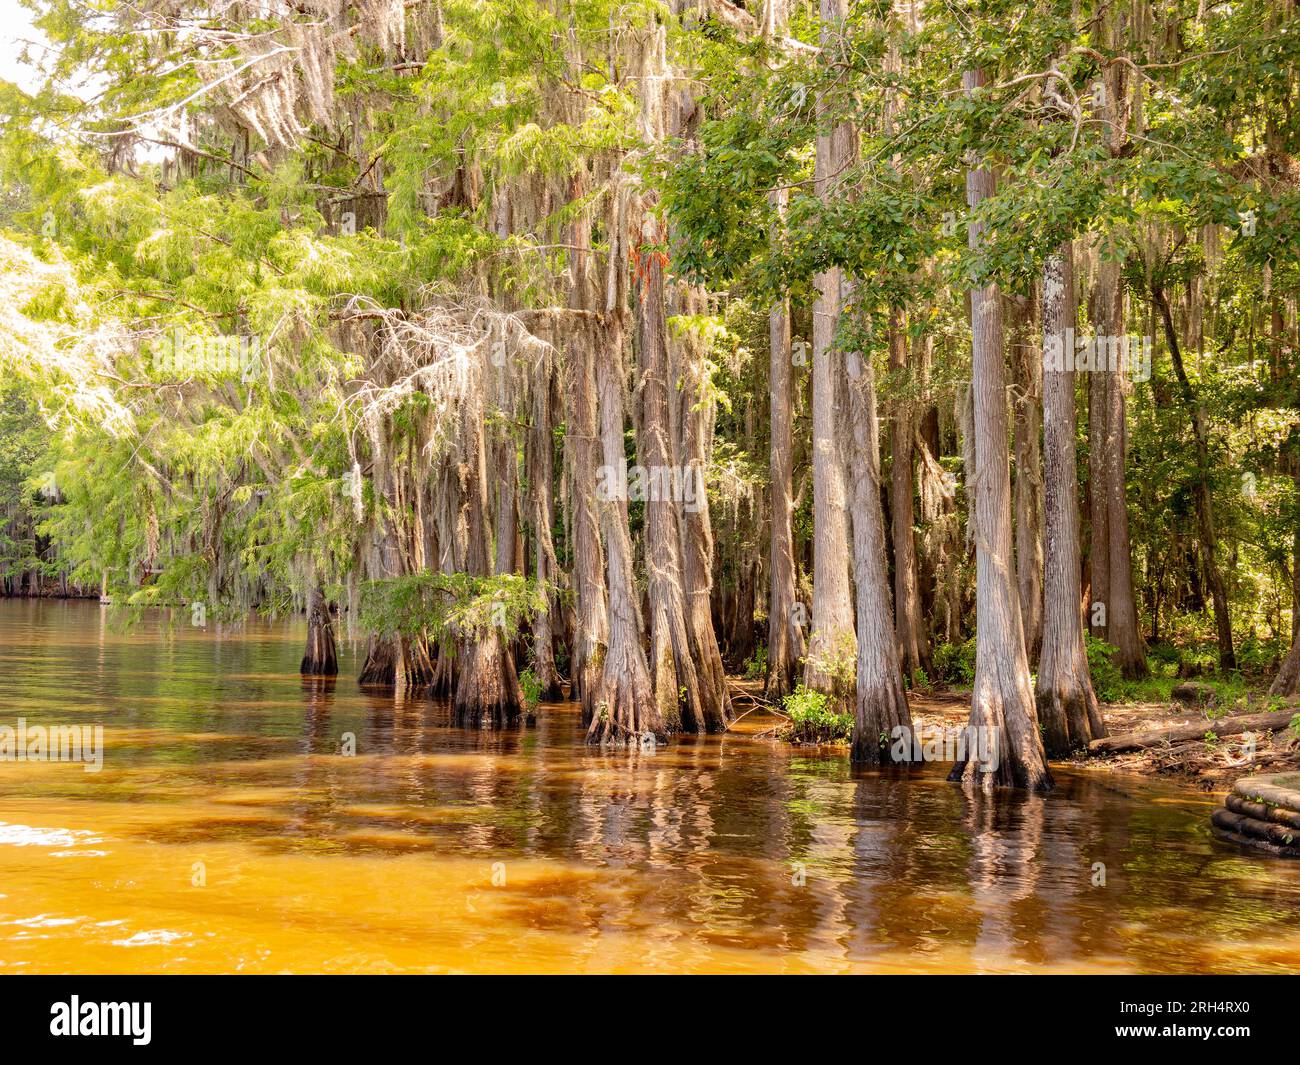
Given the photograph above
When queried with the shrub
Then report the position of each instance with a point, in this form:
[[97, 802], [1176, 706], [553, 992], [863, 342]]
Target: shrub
[[954, 663], [532, 689], [812, 719], [1107, 680], [756, 667]]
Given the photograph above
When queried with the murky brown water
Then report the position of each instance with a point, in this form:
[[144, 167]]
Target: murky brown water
[[717, 854]]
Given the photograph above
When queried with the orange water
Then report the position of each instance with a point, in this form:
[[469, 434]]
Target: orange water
[[436, 849]]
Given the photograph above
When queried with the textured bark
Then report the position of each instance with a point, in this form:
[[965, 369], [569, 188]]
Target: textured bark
[[695, 416], [785, 637], [625, 705], [880, 705], [541, 463], [321, 657], [391, 661], [940, 544], [487, 687], [1067, 705], [583, 451], [1027, 400], [679, 692], [1111, 556], [831, 648], [1002, 701], [913, 647]]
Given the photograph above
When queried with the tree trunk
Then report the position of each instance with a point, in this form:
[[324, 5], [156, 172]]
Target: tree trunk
[[1204, 508], [913, 647], [1002, 702], [321, 656], [625, 705], [681, 696], [583, 449], [1027, 404], [696, 415], [785, 638], [881, 705], [832, 649], [1067, 706], [540, 461], [487, 687]]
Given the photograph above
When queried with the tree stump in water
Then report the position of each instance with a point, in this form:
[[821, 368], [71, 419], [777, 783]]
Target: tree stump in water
[[1262, 813]]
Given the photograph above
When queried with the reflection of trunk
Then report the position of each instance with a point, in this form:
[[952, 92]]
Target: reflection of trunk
[[880, 706], [1027, 404], [1067, 706], [1002, 703], [625, 705], [321, 657], [832, 648], [487, 687], [1204, 509], [914, 648], [785, 642]]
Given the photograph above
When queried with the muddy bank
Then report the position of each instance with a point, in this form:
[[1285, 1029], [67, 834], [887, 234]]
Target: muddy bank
[[1201, 761]]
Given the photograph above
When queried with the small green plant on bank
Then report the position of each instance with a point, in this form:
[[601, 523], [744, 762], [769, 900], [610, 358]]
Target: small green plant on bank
[[756, 667], [532, 689], [812, 720], [1107, 680]]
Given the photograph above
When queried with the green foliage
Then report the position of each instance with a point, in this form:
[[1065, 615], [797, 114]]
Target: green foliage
[[813, 721], [954, 663], [451, 605], [532, 689], [756, 667], [1107, 681]]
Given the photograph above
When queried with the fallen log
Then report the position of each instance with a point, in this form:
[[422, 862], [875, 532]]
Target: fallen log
[[1224, 726], [1280, 835], [1262, 811]]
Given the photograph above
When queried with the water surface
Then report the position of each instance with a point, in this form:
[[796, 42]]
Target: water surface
[[226, 832]]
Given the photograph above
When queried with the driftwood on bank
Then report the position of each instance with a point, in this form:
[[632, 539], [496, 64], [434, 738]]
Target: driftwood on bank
[[1226, 726], [1262, 813]]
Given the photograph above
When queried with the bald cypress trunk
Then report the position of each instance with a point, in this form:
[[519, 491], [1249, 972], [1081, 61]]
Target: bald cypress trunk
[[626, 708], [913, 647], [487, 687], [1002, 702], [1067, 705], [321, 657], [1027, 406], [785, 636], [880, 705], [832, 648]]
